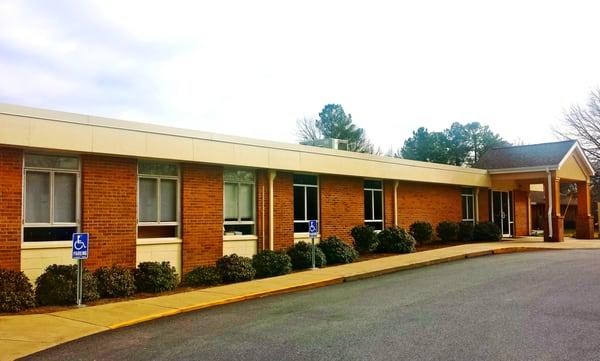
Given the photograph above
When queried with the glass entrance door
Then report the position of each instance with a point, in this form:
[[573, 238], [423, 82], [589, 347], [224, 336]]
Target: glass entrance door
[[502, 211]]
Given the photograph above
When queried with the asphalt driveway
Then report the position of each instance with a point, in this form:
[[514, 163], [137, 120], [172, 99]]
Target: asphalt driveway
[[525, 306]]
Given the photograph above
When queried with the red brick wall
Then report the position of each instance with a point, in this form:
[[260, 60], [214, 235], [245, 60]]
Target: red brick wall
[[342, 205], [109, 209], [484, 205], [388, 203], [283, 210], [11, 172], [202, 215], [262, 209], [521, 213], [432, 203]]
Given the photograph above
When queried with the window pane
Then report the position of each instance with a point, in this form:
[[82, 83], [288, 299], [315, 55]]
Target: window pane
[[65, 190], [49, 161], [312, 204], [158, 168], [305, 179], [373, 184], [298, 203], [378, 226], [246, 202], [37, 197], [231, 199], [236, 175], [168, 200], [40, 234], [148, 200], [467, 191], [368, 205], [378, 196], [301, 227], [464, 208]]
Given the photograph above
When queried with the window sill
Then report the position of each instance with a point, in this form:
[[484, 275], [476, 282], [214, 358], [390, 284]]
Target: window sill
[[304, 235], [46, 244], [148, 241], [243, 237]]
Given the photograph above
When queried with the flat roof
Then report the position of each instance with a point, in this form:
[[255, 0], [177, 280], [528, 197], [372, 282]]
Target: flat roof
[[62, 131]]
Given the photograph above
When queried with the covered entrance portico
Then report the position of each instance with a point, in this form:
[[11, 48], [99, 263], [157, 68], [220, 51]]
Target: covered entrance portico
[[515, 170]]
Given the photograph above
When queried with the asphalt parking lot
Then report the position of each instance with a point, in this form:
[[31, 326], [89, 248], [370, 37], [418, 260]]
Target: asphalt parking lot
[[524, 306]]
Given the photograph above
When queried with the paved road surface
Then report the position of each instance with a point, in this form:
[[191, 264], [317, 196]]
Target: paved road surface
[[526, 306]]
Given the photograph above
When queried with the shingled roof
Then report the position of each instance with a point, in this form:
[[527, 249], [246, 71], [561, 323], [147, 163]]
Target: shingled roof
[[526, 156]]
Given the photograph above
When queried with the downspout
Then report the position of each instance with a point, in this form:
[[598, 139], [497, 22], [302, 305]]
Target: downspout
[[272, 175], [396, 203], [549, 200]]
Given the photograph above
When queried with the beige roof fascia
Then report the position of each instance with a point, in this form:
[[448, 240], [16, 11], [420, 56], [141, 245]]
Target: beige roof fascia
[[54, 130]]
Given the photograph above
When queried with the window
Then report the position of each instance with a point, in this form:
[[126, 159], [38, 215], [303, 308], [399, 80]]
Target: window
[[468, 205], [158, 200], [306, 201], [238, 201], [374, 203], [51, 194]]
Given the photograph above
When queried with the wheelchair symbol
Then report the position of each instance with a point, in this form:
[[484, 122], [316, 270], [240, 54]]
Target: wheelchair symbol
[[312, 227], [79, 244]]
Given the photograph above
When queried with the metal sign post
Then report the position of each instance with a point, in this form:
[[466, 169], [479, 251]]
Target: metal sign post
[[79, 251], [313, 228]]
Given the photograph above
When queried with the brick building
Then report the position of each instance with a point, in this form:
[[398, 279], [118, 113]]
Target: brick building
[[145, 192]]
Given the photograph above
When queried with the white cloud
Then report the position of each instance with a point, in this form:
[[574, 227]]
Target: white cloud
[[253, 68]]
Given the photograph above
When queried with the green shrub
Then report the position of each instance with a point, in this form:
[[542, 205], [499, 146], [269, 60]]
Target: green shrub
[[337, 251], [447, 231], [365, 238], [116, 281], [16, 293], [271, 263], [465, 231], [58, 286], [396, 240], [234, 268], [301, 255], [203, 276], [487, 231], [155, 277], [421, 231]]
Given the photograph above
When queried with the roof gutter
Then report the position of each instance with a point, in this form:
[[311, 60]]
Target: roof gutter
[[543, 168]]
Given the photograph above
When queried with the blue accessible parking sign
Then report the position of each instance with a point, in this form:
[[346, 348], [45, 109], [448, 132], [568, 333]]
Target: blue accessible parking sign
[[80, 246], [313, 228]]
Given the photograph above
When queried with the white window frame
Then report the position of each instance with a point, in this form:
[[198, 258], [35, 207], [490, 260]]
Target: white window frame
[[305, 186], [239, 222], [373, 191], [177, 196], [51, 172], [470, 203]]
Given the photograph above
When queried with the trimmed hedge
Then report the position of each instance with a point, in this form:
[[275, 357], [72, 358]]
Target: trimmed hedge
[[487, 231], [117, 281], [421, 231], [155, 277], [396, 240], [365, 238], [447, 231], [16, 293], [465, 231], [270, 263], [58, 286], [301, 255], [337, 251], [203, 276], [234, 268]]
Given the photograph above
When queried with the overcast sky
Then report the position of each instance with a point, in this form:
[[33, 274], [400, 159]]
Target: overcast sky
[[253, 68]]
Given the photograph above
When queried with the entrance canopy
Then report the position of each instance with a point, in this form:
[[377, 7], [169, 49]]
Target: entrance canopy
[[548, 164]]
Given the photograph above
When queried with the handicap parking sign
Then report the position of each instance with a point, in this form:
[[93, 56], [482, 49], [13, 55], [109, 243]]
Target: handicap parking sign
[[80, 246], [313, 228]]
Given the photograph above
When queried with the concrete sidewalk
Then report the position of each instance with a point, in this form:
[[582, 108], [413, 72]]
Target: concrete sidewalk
[[25, 334]]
